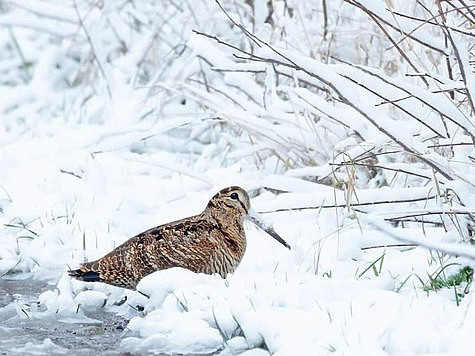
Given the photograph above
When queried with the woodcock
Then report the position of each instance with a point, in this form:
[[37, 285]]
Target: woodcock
[[211, 242]]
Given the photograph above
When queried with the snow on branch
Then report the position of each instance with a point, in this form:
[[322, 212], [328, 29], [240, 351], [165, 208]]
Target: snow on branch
[[452, 249]]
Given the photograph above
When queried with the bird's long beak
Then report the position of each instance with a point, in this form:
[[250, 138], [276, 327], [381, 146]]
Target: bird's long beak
[[255, 218]]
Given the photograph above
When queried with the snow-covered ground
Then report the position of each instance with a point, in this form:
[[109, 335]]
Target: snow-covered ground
[[116, 117]]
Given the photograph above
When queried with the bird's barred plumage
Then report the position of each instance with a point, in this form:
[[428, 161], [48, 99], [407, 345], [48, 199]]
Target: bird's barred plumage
[[211, 242]]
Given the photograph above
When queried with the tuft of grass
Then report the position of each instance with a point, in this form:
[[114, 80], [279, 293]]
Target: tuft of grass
[[439, 282], [462, 279], [183, 304], [375, 266], [25, 65], [403, 283], [223, 334]]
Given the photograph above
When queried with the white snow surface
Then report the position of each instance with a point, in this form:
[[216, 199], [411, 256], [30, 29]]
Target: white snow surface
[[124, 120]]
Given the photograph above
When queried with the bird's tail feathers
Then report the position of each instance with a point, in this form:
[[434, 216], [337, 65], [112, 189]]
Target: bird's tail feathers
[[85, 275]]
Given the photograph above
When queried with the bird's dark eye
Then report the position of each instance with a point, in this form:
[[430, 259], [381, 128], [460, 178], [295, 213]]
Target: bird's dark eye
[[234, 196]]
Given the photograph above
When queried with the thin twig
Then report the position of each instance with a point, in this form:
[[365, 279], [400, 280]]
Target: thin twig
[[329, 206], [434, 212], [86, 32], [325, 19], [380, 167], [384, 246], [399, 49], [394, 103], [415, 38], [70, 173], [422, 100], [452, 144]]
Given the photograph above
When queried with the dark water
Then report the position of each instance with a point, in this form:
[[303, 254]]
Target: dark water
[[102, 338]]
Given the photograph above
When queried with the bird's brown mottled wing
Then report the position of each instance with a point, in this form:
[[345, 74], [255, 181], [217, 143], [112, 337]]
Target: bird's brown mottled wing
[[184, 243]]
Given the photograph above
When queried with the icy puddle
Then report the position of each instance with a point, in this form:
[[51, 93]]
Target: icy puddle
[[21, 334]]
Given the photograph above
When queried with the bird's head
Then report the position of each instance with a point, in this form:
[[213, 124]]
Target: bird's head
[[234, 203], [233, 200]]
